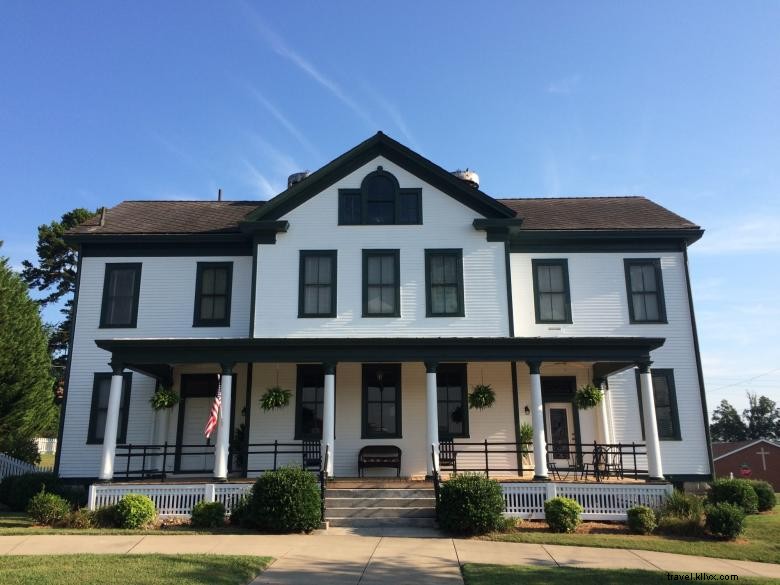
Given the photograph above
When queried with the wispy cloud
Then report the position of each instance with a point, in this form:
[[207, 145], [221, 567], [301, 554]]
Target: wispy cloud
[[281, 162], [281, 48], [565, 85], [258, 180], [285, 122], [395, 116], [757, 234]]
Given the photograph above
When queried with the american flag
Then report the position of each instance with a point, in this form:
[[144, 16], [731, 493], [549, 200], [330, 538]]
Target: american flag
[[211, 424]]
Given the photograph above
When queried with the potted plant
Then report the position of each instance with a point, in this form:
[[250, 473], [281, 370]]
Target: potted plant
[[588, 396], [481, 397], [275, 397], [525, 434], [164, 398]]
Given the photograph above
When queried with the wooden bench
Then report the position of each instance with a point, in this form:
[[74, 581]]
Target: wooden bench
[[379, 456]]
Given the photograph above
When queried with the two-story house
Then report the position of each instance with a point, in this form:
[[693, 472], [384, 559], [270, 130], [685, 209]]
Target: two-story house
[[381, 289]]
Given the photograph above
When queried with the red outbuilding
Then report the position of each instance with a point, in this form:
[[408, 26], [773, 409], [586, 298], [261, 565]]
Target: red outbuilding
[[759, 459]]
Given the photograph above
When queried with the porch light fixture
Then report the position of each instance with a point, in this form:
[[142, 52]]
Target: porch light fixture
[[527, 410], [379, 376]]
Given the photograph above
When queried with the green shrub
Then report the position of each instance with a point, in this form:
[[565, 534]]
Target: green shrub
[[105, 517], [734, 491], [470, 503], [725, 520], [81, 518], [286, 500], [765, 493], [681, 515], [46, 508], [562, 514], [641, 519], [208, 514], [135, 511], [16, 491], [241, 512]]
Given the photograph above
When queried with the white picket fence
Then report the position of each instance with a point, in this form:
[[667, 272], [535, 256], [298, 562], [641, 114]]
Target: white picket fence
[[601, 501], [170, 499], [46, 445], [12, 466]]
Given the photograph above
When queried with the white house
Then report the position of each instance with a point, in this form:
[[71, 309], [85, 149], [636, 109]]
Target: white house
[[381, 289]]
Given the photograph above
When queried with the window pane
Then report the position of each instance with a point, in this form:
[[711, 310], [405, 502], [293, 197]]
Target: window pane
[[374, 299], [451, 299], [648, 274], [409, 212], [349, 208], [120, 310], [310, 295], [388, 300], [220, 281], [374, 417], [651, 306], [379, 187], [661, 393], [380, 212], [373, 394], [437, 299], [664, 420], [388, 417], [324, 299], [635, 275], [207, 307], [388, 391], [437, 270], [311, 269], [100, 424], [308, 394], [388, 269], [104, 387], [219, 308], [324, 270], [122, 282], [207, 281], [450, 272], [558, 303], [556, 279], [374, 266], [639, 307]]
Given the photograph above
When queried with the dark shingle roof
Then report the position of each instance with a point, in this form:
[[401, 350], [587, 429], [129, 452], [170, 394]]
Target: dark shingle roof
[[170, 217], [594, 213]]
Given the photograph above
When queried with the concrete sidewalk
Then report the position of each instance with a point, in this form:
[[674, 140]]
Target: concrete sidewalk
[[388, 556]]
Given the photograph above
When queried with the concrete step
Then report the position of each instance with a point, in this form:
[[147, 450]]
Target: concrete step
[[377, 483], [382, 522], [377, 512], [378, 493], [332, 502]]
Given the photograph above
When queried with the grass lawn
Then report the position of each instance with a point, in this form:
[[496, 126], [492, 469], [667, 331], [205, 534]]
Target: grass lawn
[[529, 575], [47, 460], [138, 570], [760, 542]]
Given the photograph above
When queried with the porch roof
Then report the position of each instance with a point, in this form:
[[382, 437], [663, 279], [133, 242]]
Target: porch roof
[[155, 356]]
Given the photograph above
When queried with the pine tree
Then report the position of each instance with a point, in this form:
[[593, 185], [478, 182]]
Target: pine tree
[[26, 399]]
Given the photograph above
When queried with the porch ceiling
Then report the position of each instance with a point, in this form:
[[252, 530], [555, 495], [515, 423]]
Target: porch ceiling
[[612, 353]]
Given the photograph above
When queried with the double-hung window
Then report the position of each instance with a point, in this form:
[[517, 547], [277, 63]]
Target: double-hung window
[[665, 398], [311, 388], [444, 283], [552, 299], [121, 289], [451, 400], [645, 290], [101, 387], [381, 283], [381, 401], [213, 284], [317, 283]]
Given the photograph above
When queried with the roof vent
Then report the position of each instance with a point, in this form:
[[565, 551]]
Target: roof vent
[[296, 178], [469, 176]]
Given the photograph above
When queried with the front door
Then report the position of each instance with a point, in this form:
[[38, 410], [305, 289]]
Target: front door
[[195, 453], [559, 421]]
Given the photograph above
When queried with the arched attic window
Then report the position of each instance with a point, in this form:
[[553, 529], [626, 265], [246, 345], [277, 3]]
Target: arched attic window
[[380, 201]]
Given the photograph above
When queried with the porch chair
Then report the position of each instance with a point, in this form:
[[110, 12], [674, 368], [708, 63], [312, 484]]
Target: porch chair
[[312, 455], [447, 456]]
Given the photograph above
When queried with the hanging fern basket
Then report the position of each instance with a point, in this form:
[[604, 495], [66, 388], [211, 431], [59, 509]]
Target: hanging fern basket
[[164, 398], [275, 397], [482, 397], [588, 396]]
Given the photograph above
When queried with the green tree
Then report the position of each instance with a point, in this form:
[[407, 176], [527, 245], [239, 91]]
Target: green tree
[[727, 424], [55, 276], [26, 401], [762, 418]]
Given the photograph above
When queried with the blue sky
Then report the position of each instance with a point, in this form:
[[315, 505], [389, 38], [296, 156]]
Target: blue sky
[[101, 102]]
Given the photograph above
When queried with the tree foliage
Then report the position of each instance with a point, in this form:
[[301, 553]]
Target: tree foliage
[[54, 274], [26, 400], [760, 421]]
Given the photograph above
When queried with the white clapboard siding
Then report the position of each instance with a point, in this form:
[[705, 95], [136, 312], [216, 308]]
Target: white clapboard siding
[[446, 224], [166, 308], [605, 501], [600, 308], [170, 499]]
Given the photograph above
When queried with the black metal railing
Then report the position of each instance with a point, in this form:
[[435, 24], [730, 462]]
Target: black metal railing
[[565, 460], [270, 456]]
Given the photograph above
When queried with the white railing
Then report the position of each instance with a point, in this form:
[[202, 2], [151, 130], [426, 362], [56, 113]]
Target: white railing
[[46, 445], [602, 501], [12, 466], [170, 499]]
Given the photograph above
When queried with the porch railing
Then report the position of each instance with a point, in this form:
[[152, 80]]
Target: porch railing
[[565, 461]]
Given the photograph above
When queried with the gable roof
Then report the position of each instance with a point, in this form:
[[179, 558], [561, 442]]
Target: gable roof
[[721, 450], [381, 145]]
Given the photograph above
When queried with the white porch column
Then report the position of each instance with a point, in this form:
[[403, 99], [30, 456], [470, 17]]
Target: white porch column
[[606, 424], [112, 422], [329, 416], [654, 468], [222, 447], [537, 421], [431, 416]]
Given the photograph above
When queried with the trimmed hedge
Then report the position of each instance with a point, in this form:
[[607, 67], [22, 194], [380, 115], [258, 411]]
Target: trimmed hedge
[[46, 508], [734, 491], [725, 520], [641, 519], [81, 518], [286, 500], [16, 491], [105, 517], [241, 512], [135, 511], [766, 495], [562, 514], [470, 503], [208, 514]]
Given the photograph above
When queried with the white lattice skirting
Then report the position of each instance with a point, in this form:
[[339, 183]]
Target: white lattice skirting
[[170, 499], [600, 501]]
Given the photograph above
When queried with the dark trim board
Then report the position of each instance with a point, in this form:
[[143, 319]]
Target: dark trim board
[[614, 240], [151, 246]]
